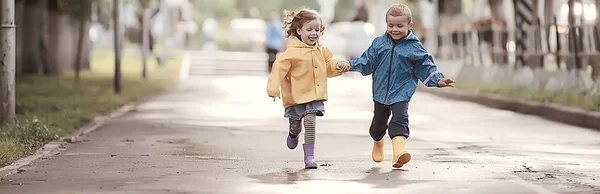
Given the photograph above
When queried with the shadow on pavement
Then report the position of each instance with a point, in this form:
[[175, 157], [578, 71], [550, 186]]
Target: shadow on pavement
[[386, 180]]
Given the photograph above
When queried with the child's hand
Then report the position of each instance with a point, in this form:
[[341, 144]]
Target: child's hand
[[446, 82], [274, 98], [343, 66], [273, 94]]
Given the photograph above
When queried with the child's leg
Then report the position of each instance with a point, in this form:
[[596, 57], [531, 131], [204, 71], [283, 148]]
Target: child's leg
[[399, 132], [381, 114], [309, 141], [295, 129], [309, 128]]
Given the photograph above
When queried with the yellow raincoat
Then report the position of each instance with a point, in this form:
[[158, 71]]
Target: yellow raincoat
[[302, 71]]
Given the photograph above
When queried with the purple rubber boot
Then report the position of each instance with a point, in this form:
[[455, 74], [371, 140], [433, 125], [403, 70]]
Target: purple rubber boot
[[292, 142], [309, 156]]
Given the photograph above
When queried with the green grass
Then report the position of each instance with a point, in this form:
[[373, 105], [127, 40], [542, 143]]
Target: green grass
[[52, 106], [568, 98]]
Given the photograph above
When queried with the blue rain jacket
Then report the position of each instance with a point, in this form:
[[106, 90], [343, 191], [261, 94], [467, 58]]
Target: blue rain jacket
[[396, 68]]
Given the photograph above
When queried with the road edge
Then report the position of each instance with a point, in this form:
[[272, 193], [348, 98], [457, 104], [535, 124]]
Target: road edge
[[549, 111], [53, 147]]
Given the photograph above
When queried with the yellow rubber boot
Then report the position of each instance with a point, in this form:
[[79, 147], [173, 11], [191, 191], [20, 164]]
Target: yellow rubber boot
[[378, 151], [401, 157]]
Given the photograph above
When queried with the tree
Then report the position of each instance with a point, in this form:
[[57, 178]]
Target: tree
[[80, 10], [32, 24], [117, 45], [7, 80]]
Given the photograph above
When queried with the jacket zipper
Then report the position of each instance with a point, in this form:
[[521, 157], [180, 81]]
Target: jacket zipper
[[389, 74]]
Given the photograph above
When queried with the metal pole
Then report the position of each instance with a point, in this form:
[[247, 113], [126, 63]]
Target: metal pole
[[7, 80], [164, 9], [573, 32], [558, 46], [145, 41], [117, 45]]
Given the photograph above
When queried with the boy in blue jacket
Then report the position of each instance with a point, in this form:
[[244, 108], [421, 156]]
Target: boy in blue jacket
[[397, 61]]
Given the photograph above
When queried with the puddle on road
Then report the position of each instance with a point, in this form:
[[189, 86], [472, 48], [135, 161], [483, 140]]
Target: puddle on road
[[286, 176], [470, 147], [175, 141], [185, 147], [213, 158], [374, 178]]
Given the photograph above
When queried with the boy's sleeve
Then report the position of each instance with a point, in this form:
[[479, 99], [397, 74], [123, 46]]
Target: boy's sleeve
[[280, 69], [425, 68], [331, 63], [364, 63]]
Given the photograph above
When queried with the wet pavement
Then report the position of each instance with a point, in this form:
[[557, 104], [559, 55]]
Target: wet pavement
[[221, 134]]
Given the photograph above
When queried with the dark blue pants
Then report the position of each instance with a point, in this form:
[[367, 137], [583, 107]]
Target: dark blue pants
[[398, 125]]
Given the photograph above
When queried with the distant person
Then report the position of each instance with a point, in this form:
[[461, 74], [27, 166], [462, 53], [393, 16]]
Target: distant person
[[275, 38], [397, 61], [301, 72]]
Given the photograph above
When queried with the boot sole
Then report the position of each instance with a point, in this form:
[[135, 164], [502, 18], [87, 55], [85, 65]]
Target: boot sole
[[311, 167], [403, 159]]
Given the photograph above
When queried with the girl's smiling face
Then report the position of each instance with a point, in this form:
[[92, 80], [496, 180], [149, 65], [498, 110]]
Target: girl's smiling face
[[310, 32]]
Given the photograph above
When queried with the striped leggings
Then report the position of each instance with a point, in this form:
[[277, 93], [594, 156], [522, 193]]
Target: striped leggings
[[309, 128]]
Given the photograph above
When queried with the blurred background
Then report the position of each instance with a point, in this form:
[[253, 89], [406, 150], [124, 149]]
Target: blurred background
[[534, 33], [66, 64]]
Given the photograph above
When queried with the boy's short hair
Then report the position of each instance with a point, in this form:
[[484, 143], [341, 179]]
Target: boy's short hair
[[399, 9]]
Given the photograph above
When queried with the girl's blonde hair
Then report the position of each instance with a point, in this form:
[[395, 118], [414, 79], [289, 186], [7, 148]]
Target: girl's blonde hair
[[296, 19]]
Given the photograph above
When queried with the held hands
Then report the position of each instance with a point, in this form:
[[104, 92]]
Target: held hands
[[446, 82], [343, 66]]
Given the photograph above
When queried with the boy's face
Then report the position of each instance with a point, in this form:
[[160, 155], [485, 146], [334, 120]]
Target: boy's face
[[398, 26], [310, 32]]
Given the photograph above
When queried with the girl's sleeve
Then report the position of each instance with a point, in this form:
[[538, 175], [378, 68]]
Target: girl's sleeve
[[331, 63], [280, 69]]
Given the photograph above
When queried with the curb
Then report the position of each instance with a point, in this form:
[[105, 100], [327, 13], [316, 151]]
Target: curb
[[54, 147], [550, 111]]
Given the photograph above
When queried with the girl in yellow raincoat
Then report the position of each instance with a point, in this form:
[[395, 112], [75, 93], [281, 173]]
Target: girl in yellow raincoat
[[301, 72]]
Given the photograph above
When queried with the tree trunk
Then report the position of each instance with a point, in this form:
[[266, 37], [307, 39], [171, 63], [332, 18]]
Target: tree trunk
[[117, 45], [81, 40], [79, 48], [32, 27], [7, 78]]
